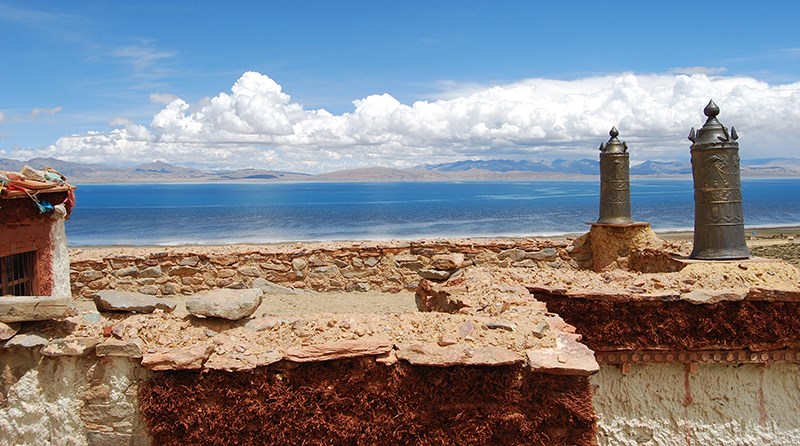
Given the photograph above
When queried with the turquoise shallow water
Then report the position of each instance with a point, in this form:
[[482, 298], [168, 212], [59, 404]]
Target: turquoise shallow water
[[214, 213]]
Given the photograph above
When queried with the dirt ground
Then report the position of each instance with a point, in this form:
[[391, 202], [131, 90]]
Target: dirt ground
[[310, 302]]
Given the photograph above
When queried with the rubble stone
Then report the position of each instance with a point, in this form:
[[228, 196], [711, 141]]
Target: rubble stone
[[367, 346], [189, 261], [90, 275], [130, 271], [250, 271], [182, 358], [114, 300], [299, 264], [241, 363], [457, 354], [7, 331], [128, 348], [568, 357], [26, 341], [151, 272], [225, 303], [513, 254], [434, 274], [150, 290], [70, 347], [545, 254], [447, 261]]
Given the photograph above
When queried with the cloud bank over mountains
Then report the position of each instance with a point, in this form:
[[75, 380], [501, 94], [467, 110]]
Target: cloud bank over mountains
[[257, 124]]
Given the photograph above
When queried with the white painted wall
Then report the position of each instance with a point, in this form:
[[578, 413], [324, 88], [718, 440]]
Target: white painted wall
[[666, 404], [58, 236], [67, 401]]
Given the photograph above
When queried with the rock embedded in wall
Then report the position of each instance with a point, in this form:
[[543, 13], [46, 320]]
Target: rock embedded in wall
[[7, 331], [26, 341], [70, 347], [128, 348], [456, 354], [183, 358], [365, 346], [151, 272], [434, 274]]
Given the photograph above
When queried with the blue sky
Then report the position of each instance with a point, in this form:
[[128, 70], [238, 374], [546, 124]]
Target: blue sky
[[437, 81]]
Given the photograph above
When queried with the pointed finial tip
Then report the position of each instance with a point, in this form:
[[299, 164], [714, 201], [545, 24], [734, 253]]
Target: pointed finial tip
[[711, 109], [614, 132]]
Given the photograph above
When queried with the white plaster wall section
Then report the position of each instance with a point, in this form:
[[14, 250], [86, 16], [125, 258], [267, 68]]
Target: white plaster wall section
[[58, 238], [667, 404], [61, 401], [41, 407]]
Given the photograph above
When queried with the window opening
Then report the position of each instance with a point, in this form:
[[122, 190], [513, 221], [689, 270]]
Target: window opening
[[16, 274]]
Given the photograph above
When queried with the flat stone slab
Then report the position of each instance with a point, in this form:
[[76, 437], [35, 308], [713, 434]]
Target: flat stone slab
[[70, 347], [450, 355], [568, 357], [435, 274], [340, 350], [7, 331], [241, 362], [33, 308], [113, 300], [26, 341], [128, 348], [186, 358], [777, 295], [706, 296], [225, 303]]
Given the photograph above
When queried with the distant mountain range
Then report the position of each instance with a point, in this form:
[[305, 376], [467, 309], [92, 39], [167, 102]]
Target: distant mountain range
[[157, 171], [496, 169], [579, 167]]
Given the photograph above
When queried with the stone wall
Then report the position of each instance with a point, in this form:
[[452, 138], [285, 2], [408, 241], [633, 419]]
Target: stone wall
[[386, 267]]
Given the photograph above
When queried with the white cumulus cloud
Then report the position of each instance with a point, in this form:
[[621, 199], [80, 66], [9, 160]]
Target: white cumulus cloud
[[257, 124]]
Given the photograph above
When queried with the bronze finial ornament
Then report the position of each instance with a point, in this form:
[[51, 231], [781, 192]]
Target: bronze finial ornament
[[615, 184], [718, 216]]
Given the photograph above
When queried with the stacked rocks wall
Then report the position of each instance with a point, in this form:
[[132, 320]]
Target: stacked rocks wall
[[389, 267]]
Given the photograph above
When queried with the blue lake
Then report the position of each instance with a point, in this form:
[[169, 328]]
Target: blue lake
[[221, 213]]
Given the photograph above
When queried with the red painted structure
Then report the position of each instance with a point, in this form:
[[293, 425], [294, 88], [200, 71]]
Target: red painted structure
[[23, 229]]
